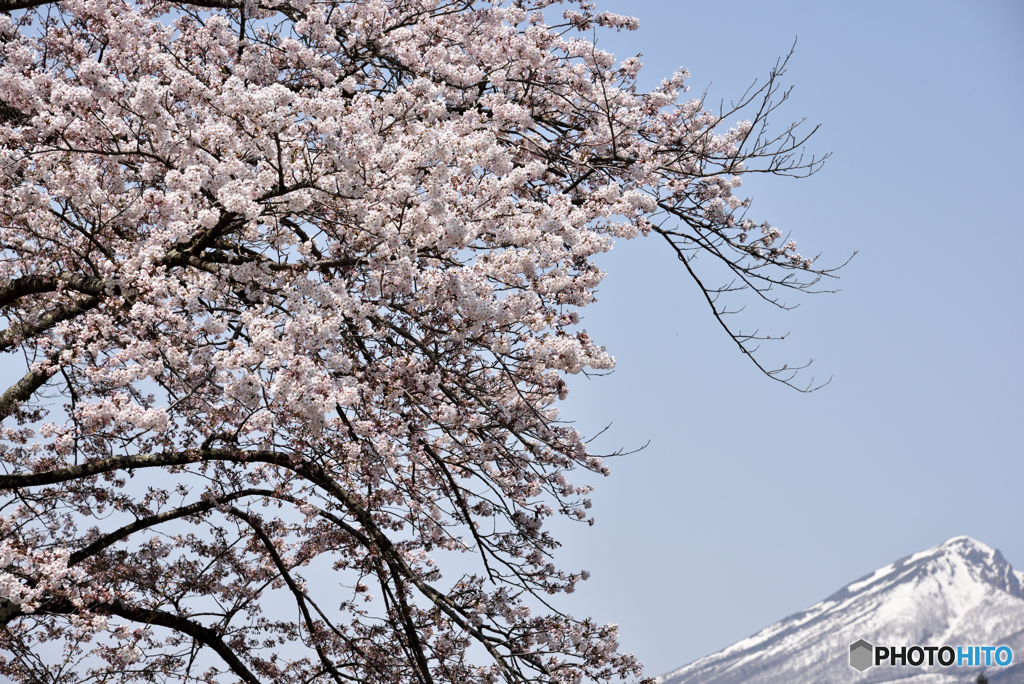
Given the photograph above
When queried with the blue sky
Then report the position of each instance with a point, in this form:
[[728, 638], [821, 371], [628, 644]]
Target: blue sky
[[753, 501]]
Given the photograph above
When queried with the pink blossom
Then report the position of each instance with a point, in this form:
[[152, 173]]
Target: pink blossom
[[306, 278]]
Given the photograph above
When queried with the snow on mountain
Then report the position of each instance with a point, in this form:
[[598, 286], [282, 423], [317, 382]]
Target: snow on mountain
[[959, 593]]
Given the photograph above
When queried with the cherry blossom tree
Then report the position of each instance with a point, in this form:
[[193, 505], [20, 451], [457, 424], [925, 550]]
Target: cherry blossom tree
[[296, 285]]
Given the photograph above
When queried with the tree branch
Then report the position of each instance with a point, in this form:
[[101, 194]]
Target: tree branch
[[11, 5], [202, 634], [371, 537], [153, 520], [36, 284], [22, 390], [63, 312]]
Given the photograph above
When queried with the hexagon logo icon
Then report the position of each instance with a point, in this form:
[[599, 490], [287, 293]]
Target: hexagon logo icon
[[861, 655]]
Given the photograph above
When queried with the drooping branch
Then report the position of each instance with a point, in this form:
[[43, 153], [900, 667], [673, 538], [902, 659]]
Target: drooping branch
[[784, 374], [206, 636], [300, 596]]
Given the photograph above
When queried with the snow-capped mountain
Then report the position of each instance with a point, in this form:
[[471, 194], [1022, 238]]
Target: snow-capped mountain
[[959, 593]]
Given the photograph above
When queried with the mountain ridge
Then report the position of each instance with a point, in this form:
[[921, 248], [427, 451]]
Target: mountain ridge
[[960, 592]]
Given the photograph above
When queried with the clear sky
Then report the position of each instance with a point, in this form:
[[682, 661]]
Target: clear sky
[[753, 501]]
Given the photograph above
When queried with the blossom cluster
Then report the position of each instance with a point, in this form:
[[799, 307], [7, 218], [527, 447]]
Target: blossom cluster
[[307, 276]]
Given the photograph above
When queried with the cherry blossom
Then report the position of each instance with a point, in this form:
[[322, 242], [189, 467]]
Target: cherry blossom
[[305, 279]]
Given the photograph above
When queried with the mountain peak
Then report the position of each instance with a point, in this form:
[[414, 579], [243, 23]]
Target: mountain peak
[[995, 569], [958, 592], [953, 558]]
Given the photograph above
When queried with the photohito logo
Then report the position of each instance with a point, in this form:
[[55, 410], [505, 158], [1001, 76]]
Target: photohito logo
[[863, 655]]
